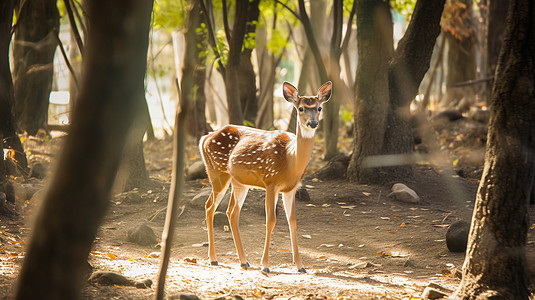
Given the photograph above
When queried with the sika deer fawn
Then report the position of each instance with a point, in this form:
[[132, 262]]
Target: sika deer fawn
[[254, 158]]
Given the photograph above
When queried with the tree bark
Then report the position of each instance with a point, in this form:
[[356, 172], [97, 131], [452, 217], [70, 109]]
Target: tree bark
[[496, 26], [78, 196], [7, 128], [383, 140], [248, 96], [460, 36], [495, 264], [232, 84], [33, 56], [407, 68], [375, 49]]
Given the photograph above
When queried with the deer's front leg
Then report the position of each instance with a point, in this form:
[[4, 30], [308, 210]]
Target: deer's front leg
[[233, 213], [271, 204], [289, 209]]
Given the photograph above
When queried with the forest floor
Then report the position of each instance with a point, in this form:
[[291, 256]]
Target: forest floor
[[356, 241]]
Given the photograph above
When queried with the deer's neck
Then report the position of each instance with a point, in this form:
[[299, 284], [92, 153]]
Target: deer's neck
[[301, 151]]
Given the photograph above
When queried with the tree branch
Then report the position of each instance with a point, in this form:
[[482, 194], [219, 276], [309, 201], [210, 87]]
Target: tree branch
[[225, 21], [73, 26], [212, 40], [349, 27], [296, 15]]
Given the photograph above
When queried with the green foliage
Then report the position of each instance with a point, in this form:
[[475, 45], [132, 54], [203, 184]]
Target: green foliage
[[404, 7], [347, 115], [277, 43], [248, 123], [169, 14]]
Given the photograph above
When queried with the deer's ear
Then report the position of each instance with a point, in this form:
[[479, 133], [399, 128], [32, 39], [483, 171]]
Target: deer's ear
[[325, 91], [290, 92]]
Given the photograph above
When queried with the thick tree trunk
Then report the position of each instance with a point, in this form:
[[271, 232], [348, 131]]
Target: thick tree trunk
[[79, 193], [232, 76], [383, 140], [495, 265], [266, 78], [375, 49], [248, 95], [461, 58], [33, 55], [6, 95], [496, 26], [409, 64]]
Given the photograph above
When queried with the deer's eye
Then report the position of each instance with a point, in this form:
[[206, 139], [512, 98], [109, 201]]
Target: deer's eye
[[301, 109], [319, 108]]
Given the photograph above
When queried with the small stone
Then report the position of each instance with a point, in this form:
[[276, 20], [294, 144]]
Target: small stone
[[200, 199], [220, 219], [38, 171], [142, 235], [183, 296], [457, 236], [431, 293], [403, 193], [109, 278], [302, 195], [196, 170]]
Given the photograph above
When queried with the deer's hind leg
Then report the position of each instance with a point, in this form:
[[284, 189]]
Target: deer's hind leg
[[239, 192], [220, 185]]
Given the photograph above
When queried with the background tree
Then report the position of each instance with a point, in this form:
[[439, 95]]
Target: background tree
[[383, 140], [7, 128], [78, 196], [34, 46], [495, 28], [495, 265], [460, 34]]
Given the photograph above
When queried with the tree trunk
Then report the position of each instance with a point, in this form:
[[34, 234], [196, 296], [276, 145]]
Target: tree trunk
[[33, 56], [266, 75], [6, 95], [232, 77], [496, 26], [197, 124], [383, 140], [78, 196], [375, 49], [248, 96], [460, 36], [409, 64], [495, 265]]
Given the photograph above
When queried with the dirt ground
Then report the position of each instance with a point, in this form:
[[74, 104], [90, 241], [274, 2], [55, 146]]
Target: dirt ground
[[355, 241]]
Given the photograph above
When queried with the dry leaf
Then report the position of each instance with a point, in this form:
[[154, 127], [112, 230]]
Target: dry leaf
[[307, 236], [385, 218], [366, 193], [403, 225], [111, 256]]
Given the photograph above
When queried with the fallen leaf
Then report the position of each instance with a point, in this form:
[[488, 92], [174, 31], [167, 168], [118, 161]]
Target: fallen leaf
[[111, 256], [403, 224], [192, 260], [366, 193], [348, 206], [323, 257], [118, 286], [307, 236], [311, 205], [385, 218], [325, 205]]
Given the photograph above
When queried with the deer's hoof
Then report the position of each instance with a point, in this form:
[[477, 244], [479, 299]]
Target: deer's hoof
[[266, 270], [245, 266], [302, 270], [214, 263]]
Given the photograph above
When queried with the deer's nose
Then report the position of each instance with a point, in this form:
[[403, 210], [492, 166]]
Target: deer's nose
[[313, 124]]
